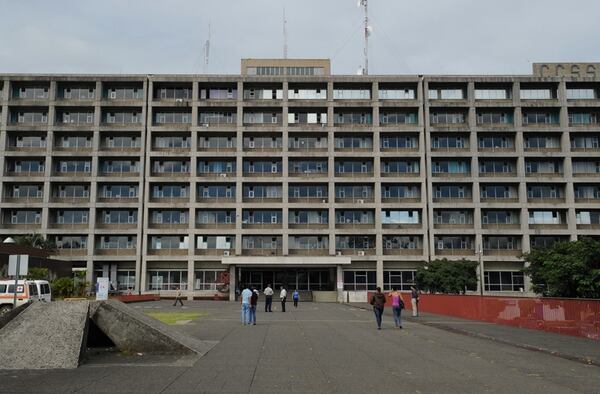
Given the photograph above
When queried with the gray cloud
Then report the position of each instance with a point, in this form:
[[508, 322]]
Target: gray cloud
[[410, 37]]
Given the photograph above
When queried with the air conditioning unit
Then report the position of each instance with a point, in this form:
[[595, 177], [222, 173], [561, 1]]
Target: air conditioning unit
[[223, 175], [205, 124], [338, 253], [361, 253], [179, 100], [324, 201], [361, 201], [225, 253]]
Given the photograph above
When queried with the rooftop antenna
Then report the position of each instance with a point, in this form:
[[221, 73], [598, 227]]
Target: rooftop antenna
[[285, 37], [206, 52], [367, 32]]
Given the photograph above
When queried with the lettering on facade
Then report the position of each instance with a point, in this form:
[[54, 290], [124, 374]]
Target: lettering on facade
[[575, 70]]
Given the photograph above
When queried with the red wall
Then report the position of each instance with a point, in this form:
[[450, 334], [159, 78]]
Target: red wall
[[562, 316]]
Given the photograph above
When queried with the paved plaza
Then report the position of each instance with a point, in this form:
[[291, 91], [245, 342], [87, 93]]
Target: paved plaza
[[322, 348]]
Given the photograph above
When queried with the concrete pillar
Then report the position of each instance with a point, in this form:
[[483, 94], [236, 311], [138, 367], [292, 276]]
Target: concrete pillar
[[340, 284], [232, 282]]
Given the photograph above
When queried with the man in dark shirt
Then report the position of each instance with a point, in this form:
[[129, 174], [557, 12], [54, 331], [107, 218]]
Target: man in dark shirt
[[253, 304], [414, 298]]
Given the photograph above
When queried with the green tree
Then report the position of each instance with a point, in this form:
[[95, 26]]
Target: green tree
[[63, 287], [566, 269], [448, 276], [38, 274], [37, 241], [80, 285]]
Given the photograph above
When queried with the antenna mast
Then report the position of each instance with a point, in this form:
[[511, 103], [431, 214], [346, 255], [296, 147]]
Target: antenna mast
[[285, 37], [206, 50], [367, 32]]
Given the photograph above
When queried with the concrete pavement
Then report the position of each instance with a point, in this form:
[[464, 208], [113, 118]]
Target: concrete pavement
[[321, 348]]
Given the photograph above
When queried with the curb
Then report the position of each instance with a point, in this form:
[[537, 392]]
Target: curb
[[579, 359]]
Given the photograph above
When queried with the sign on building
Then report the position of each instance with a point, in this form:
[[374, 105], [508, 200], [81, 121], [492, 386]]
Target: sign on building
[[102, 285]]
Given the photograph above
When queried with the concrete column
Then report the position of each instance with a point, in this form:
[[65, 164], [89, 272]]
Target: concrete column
[[232, 282], [340, 280], [190, 281]]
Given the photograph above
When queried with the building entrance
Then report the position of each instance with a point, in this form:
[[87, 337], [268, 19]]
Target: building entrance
[[310, 279]]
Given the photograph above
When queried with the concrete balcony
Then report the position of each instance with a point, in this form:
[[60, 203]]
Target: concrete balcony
[[400, 174], [453, 200], [402, 226], [498, 174], [562, 226], [546, 200], [185, 174], [453, 226], [501, 226], [262, 174], [454, 252], [406, 200], [354, 174], [592, 226], [307, 150], [116, 226], [261, 225], [503, 252], [21, 226], [402, 252], [115, 251], [70, 252], [587, 200], [309, 252], [170, 200], [170, 226], [168, 252], [586, 174], [24, 174], [122, 149], [262, 252], [495, 200], [23, 200], [357, 226], [70, 226], [354, 200], [308, 226], [223, 175], [356, 252], [73, 174], [216, 226], [214, 252], [319, 174], [308, 200], [214, 200], [262, 200], [229, 149], [119, 174], [116, 200]]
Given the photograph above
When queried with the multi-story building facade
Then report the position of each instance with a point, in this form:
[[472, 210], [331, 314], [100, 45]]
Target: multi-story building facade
[[286, 174]]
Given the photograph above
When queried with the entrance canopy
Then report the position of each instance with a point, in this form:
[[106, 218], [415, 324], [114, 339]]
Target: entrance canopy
[[286, 261]]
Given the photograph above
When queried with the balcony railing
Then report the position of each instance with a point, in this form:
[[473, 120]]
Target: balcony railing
[[262, 252], [309, 252], [403, 252]]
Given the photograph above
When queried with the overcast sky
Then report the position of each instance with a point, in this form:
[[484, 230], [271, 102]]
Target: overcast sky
[[409, 37]]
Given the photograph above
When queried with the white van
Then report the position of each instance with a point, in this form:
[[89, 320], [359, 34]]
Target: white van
[[44, 291], [27, 291]]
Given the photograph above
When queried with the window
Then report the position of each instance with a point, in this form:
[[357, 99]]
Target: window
[[166, 279], [504, 281], [399, 280], [208, 279], [491, 94], [360, 280], [537, 94]]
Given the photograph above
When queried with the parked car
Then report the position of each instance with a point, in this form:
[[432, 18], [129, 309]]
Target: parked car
[[27, 291]]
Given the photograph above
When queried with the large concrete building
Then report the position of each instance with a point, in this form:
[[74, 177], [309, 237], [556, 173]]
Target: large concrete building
[[286, 174]]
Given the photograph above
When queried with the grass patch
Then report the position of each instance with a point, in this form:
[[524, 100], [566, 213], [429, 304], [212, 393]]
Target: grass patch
[[172, 318]]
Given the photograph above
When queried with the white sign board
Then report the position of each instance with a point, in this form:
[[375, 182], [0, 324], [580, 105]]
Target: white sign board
[[23, 260], [102, 289]]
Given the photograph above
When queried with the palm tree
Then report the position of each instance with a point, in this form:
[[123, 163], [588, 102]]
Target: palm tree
[[37, 241]]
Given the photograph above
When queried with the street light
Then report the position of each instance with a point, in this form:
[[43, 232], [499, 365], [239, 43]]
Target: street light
[[10, 240]]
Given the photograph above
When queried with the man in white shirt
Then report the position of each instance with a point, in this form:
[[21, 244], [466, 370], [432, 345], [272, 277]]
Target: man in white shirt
[[283, 296], [268, 298], [246, 294]]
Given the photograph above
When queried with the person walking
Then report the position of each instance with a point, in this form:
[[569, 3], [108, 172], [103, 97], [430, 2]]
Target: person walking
[[378, 302], [268, 298], [178, 297], [414, 300], [397, 306], [246, 294], [295, 297], [283, 297], [253, 305]]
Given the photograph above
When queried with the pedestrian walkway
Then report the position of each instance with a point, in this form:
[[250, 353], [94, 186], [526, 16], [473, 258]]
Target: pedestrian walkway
[[320, 348], [565, 346]]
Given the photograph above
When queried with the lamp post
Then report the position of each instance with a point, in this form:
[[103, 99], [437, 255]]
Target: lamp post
[[9, 240]]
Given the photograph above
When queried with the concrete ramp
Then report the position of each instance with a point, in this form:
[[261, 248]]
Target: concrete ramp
[[133, 331], [45, 336]]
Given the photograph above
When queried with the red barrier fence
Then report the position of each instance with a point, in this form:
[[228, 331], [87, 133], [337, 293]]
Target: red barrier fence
[[562, 316]]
